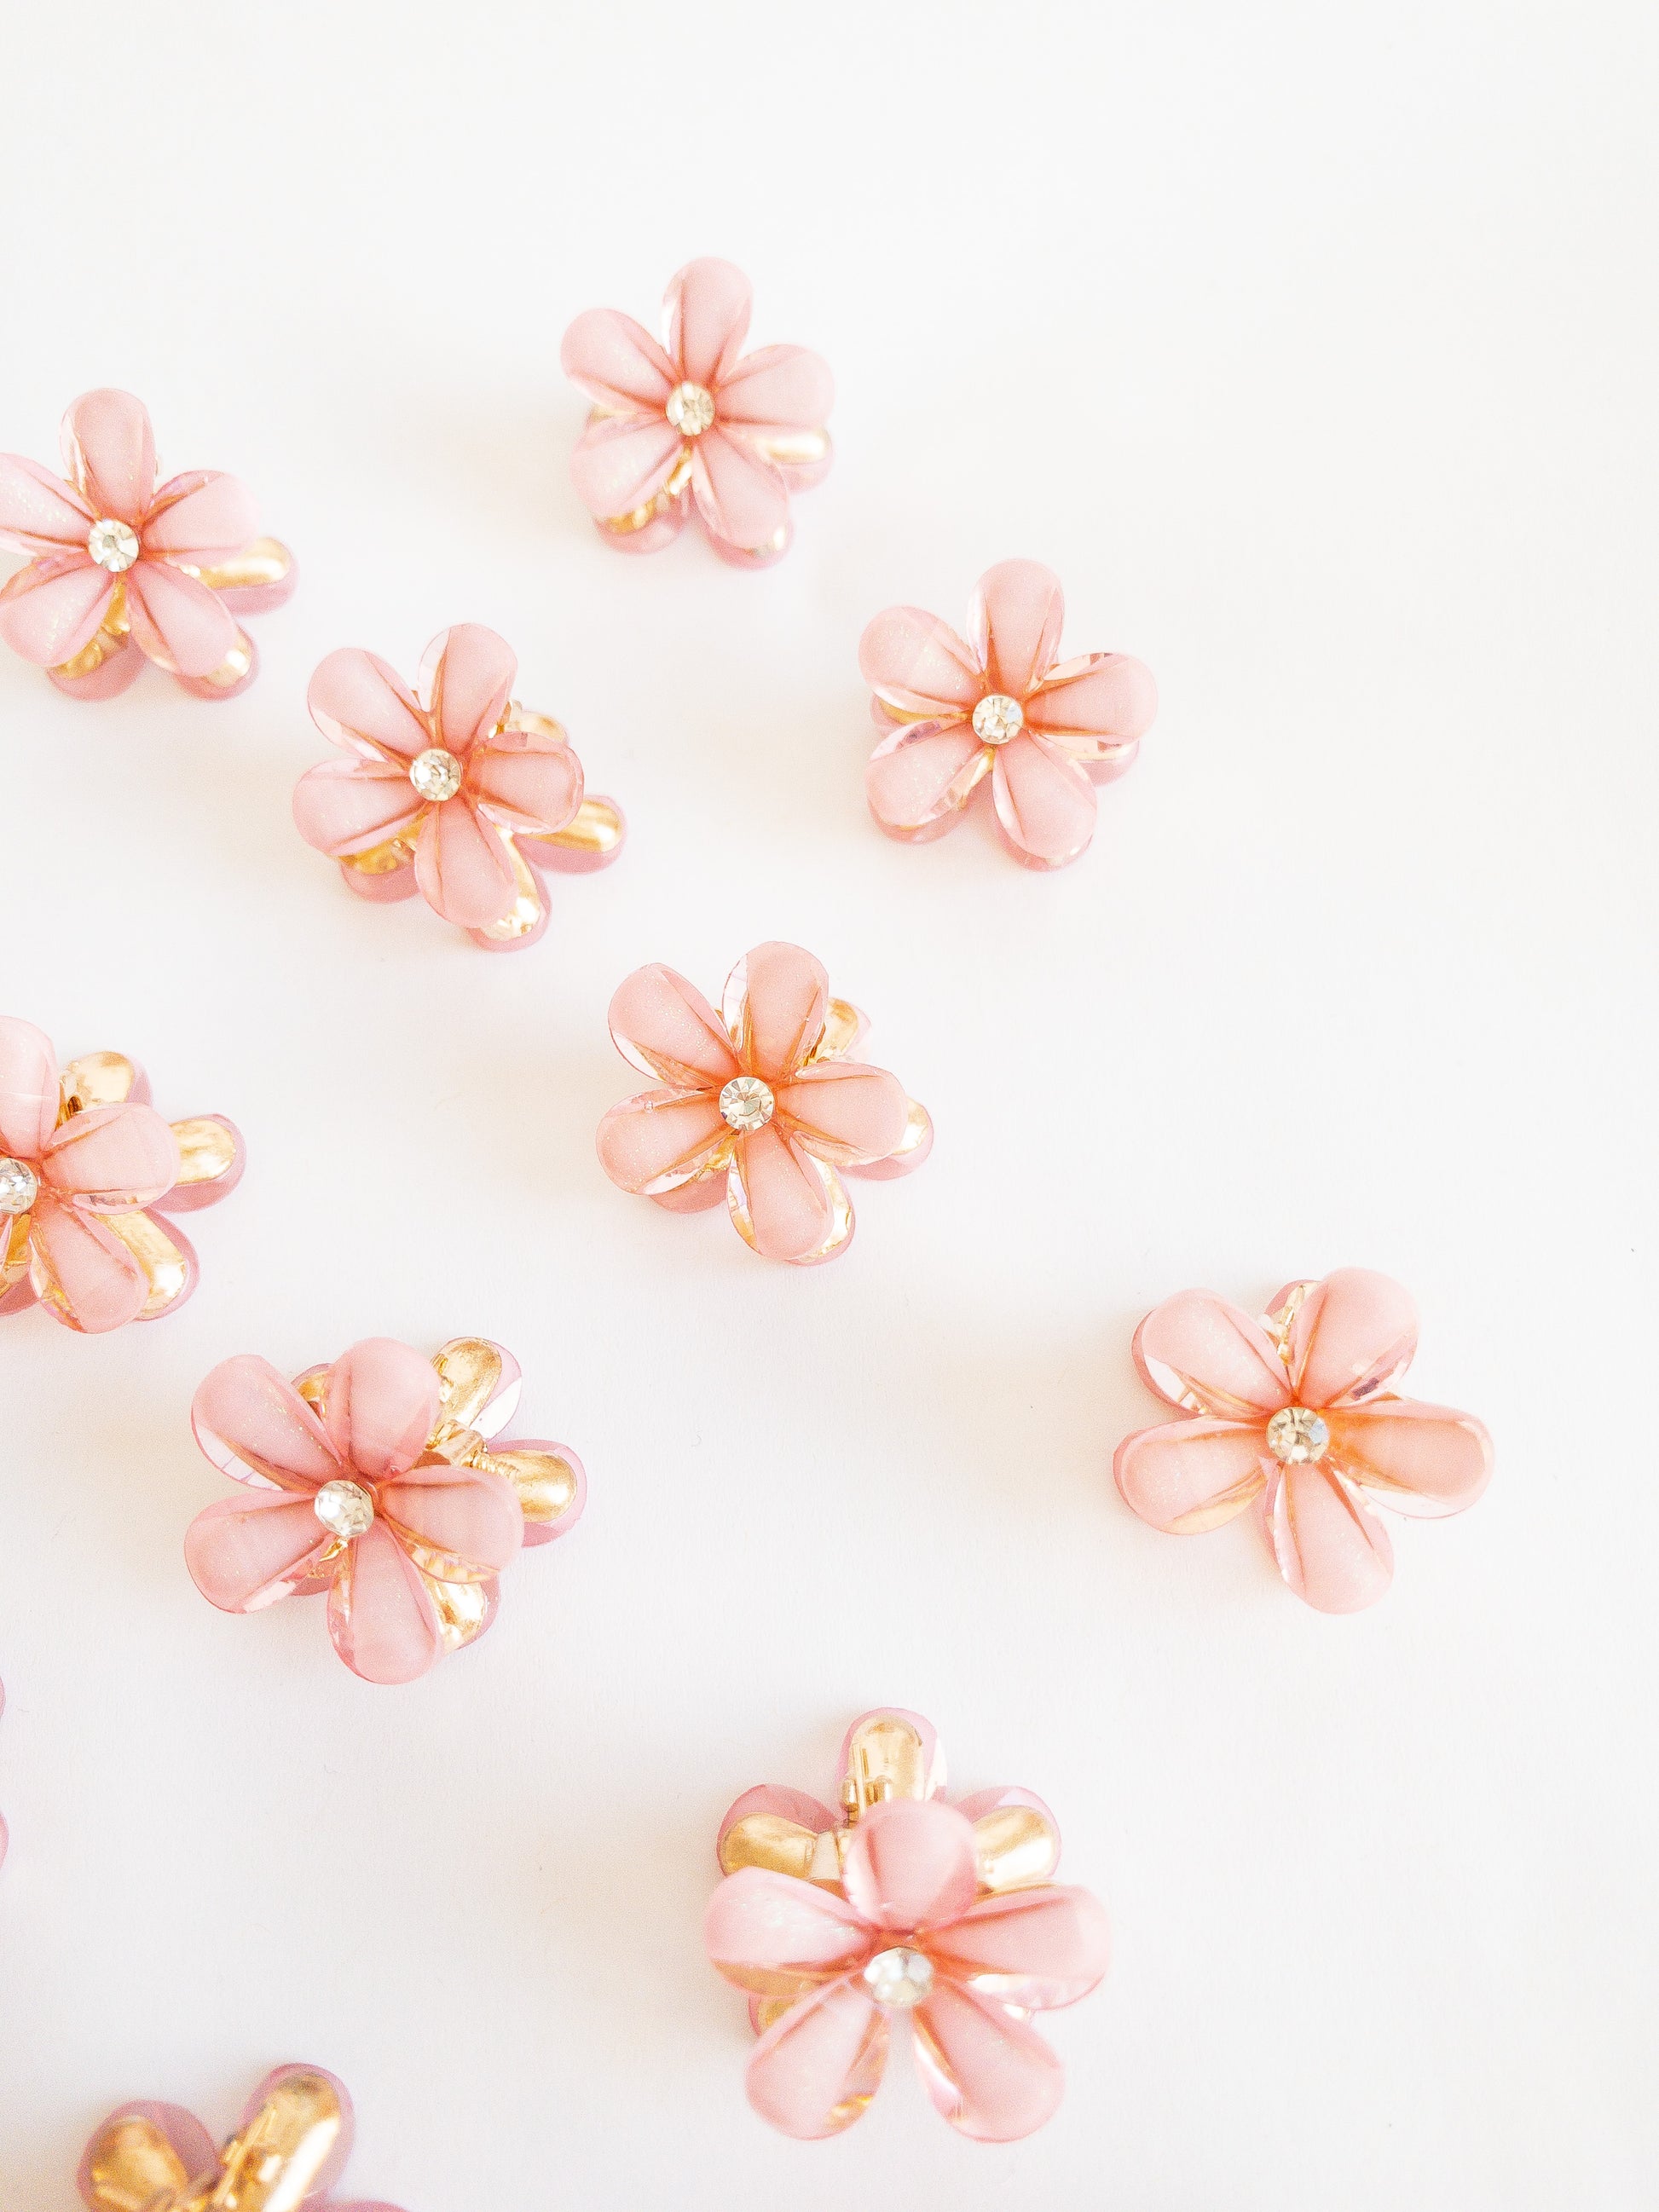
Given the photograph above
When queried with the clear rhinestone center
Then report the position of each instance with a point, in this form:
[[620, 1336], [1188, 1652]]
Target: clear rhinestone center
[[435, 773], [18, 1186], [113, 545], [997, 718], [901, 1978], [747, 1103], [345, 1508], [1295, 1435], [691, 409]]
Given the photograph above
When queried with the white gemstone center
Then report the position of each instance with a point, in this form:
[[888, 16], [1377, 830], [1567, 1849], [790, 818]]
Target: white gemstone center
[[997, 718], [435, 773], [113, 545], [691, 409], [345, 1508], [747, 1103], [1295, 1435], [901, 1978], [18, 1186]]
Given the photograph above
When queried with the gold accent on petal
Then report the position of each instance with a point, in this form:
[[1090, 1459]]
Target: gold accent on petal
[[134, 2169], [1013, 1847], [463, 1609], [156, 1253], [381, 860], [596, 826], [233, 667], [791, 448], [546, 1483], [918, 1129], [107, 640], [842, 1025], [206, 1150], [265, 560], [14, 1251], [540, 726], [526, 910], [469, 1368], [99, 1079], [274, 2164], [888, 1757], [770, 2011], [314, 1388], [783, 1846]]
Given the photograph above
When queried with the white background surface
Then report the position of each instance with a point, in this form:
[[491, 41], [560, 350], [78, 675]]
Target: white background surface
[[1315, 348]]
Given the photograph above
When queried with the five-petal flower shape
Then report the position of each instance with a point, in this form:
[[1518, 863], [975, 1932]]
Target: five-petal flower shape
[[906, 1905], [451, 789], [82, 1157], [998, 702], [379, 1484], [1298, 1411], [124, 569], [696, 419], [762, 1108]]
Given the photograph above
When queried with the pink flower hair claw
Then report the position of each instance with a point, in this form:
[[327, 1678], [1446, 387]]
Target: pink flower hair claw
[[696, 421], [1000, 703], [84, 1159], [124, 568], [1297, 1412], [377, 1480], [901, 1905], [287, 2151], [452, 789], [758, 1105]]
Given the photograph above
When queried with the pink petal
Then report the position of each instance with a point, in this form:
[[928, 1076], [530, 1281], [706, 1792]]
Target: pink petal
[[665, 1027], [254, 1424], [203, 516], [741, 498], [39, 511], [1045, 803], [380, 1614], [781, 387], [1331, 1549], [918, 663], [846, 1112], [28, 1087], [112, 1158], [360, 702], [463, 867], [326, 2152], [470, 682], [1014, 624], [706, 317], [1095, 705], [381, 1404], [1036, 1948], [1188, 1476], [190, 2142], [770, 1932], [910, 1865], [1422, 1459], [110, 453], [1196, 1347], [617, 362], [814, 2072], [177, 621], [245, 1553], [775, 1002], [344, 806], [922, 774], [775, 1186], [466, 1521], [100, 1285], [622, 462], [530, 782], [51, 609], [661, 1140], [1354, 1335], [987, 2071]]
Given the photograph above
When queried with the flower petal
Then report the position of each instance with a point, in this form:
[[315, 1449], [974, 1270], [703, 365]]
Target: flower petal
[[910, 1865], [143, 2153], [381, 1405], [1035, 1948], [623, 461], [813, 2072], [358, 701], [775, 1003], [254, 1424], [987, 2071], [53, 608], [778, 1197], [39, 511], [918, 663], [112, 1158], [462, 867], [345, 806], [1188, 1476], [466, 680], [110, 453], [783, 387], [81, 1269], [203, 516], [1352, 1335], [617, 361], [177, 621], [775, 1935], [706, 319], [661, 1140], [922, 773], [1095, 706], [1045, 803], [245, 1553], [527, 782], [1332, 1550], [1014, 624], [846, 1112], [741, 497], [28, 1087], [1198, 1350], [463, 1523], [665, 1027], [1426, 1460], [380, 1614]]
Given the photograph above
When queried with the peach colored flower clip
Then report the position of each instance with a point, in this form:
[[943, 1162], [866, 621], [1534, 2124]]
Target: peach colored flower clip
[[696, 421], [290, 2144], [83, 1159], [1298, 1411], [1000, 703], [125, 569], [901, 1905], [451, 789], [387, 1490], [758, 1105]]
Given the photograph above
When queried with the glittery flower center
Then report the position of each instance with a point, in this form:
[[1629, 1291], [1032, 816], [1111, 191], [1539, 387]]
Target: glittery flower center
[[899, 1977], [18, 1186], [435, 773], [691, 409], [747, 1103], [997, 718], [1294, 1436], [113, 545], [345, 1508]]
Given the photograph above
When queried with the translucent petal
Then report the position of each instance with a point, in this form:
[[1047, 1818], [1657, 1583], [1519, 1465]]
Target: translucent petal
[[143, 2155], [177, 622], [778, 386], [814, 2072], [39, 511], [466, 680], [254, 1424], [741, 497], [295, 2136], [919, 664], [358, 701], [910, 1865], [1035, 1948], [1332, 1550], [382, 1404], [1014, 624], [1044, 801], [1350, 1337], [1096, 704], [82, 1270], [1188, 1476], [662, 1139], [346, 807], [53, 609], [665, 1027], [380, 1614], [845, 1111], [527, 782], [28, 1087], [109, 451], [464, 866], [1198, 1350], [463, 1524], [779, 1197], [706, 319], [245, 1553], [924, 773], [201, 517], [617, 361], [1422, 1460], [988, 2072], [775, 1003], [111, 1158], [776, 1936], [621, 462]]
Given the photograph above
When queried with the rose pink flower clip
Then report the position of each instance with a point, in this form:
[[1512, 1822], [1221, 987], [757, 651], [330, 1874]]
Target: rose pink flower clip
[[696, 419], [901, 1905], [290, 2144], [451, 789], [83, 1158], [758, 1105], [998, 702], [381, 1484], [125, 569], [1298, 1411]]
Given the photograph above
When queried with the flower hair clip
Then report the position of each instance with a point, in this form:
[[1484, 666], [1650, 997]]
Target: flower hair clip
[[999, 703], [124, 569], [83, 1159], [901, 1904], [696, 421], [452, 789], [287, 2151], [1298, 1411], [381, 1484], [758, 1105]]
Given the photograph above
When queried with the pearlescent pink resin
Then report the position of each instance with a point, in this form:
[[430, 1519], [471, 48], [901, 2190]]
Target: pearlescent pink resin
[[1080, 722], [1336, 1349]]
